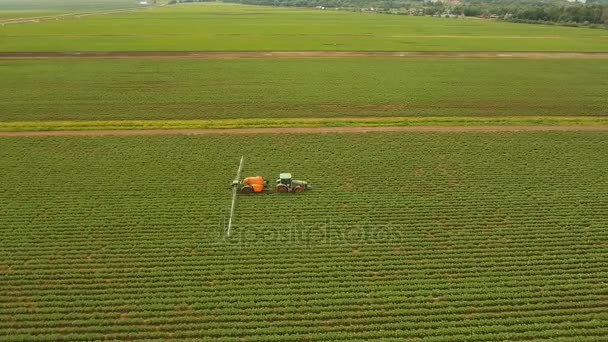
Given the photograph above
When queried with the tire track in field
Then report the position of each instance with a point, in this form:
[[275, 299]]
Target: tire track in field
[[511, 128], [303, 54], [71, 15]]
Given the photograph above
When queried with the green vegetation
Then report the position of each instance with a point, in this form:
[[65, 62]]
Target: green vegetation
[[26, 126], [406, 236], [63, 5], [180, 89], [441, 237], [553, 11], [34, 12], [237, 27], [534, 11], [6, 15]]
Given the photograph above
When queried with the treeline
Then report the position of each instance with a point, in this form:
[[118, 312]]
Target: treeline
[[171, 2], [593, 13], [535, 11], [345, 4]]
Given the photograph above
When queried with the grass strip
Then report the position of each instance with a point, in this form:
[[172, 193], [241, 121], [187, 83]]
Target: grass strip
[[33, 126]]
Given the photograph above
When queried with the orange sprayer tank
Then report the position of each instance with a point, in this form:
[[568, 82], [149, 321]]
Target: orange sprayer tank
[[257, 183]]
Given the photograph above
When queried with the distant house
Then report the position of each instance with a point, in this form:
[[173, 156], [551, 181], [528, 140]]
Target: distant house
[[143, 2]]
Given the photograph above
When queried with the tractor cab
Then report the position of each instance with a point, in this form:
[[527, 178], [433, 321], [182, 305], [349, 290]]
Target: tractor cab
[[284, 179]]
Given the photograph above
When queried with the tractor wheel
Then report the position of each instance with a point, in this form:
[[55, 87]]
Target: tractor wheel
[[298, 188], [247, 189], [282, 188]]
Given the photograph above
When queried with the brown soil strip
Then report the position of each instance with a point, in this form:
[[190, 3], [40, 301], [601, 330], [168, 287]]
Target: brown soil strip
[[305, 130], [302, 54]]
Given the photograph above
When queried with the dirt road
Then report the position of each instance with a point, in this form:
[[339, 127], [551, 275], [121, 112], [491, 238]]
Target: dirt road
[[304, 130], [302, 54]]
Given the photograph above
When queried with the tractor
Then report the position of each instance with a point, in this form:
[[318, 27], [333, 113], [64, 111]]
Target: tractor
[[286, 184], [258, 184]]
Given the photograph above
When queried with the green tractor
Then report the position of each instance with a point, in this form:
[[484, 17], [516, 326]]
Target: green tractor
[[286, 184]]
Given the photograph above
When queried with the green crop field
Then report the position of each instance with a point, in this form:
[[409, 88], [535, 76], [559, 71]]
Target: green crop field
[[11, 10], [490, 233], [294, 88], [238, 27], [432, 236], [62, 5], [17, 14]]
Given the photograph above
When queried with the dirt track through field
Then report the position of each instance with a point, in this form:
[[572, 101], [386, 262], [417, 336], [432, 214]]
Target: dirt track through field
[[302, 54], [531, 128]]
